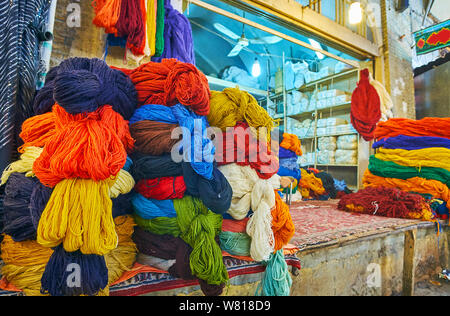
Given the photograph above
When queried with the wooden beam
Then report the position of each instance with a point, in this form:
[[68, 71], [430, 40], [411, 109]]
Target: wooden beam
[[271, 31], [409, 263]]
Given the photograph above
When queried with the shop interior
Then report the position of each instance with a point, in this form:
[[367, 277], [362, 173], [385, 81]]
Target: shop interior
[[306, 91]]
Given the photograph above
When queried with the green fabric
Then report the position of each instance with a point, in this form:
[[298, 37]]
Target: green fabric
[[159, 43], [199, 227], [389, 169]]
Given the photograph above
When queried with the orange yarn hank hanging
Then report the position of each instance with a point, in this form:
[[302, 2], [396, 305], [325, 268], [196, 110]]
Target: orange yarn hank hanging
[[282, 225], [89, 146], [37, 130], [292, 142], [107, 13]]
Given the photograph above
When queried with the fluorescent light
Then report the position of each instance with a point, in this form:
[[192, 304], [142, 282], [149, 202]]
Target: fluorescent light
[[355, 13], [317, 45], [256, 69]]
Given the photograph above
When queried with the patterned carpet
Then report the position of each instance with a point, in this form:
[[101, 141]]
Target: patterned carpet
[[318, 222]]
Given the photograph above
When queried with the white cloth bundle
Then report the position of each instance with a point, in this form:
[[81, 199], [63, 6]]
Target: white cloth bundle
[[344, 156], [253, 193], [347, 142], [326, 156], [327, 143]]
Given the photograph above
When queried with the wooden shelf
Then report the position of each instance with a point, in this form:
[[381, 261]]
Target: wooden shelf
[[328, 135], [337, 165], [219, 84], [338, 107], [339, 76]]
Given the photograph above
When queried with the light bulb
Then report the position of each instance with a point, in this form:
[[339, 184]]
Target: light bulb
[[256, 69], [355, 13], [317, 45]]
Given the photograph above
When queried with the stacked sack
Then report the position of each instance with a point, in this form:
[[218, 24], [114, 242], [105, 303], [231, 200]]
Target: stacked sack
[[413, 156], [64, 209], [289, 153], [146, 28], [180, 195], [258, 223]]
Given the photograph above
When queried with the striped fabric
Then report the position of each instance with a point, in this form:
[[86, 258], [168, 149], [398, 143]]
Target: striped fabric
[[19, 59]]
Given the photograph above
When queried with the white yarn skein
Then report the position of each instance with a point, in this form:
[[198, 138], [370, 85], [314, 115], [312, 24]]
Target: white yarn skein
[[253, 193], [123, 184]]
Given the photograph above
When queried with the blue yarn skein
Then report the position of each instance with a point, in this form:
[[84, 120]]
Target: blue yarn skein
[[82, 85], [151, 208], [60, 272]]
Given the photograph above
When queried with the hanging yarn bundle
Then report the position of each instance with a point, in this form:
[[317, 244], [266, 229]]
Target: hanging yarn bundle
[[170, 82], [365, 109], [178, 41]]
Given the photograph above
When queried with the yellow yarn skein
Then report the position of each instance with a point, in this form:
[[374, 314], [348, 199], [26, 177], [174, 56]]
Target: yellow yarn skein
[[233, 105], [24, 264], [23, 165], [79, 214]]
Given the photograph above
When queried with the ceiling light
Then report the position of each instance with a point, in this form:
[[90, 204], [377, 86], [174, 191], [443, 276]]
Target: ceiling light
[[355, 13], [256, 69]]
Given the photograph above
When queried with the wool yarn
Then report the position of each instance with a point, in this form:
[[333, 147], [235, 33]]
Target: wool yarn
[[199, 228], [151, 25], [123, 257], [328, 183], [160, 28], [426, 157], [38, 200], [386, 104], [310, 182], [131, 23], [61, 265], [253, 193], [159, 225], [365, 110], [79, 215], [178, 41], [236, 244], [388, 202], [37, 130], [428, 126], [23, 165], [282, 225], [233, 105], [24, 264], [285, 172], [389, 169], [123, 184], [416, 184], [81, 144], [121, 205], [412, 142], [290, 163], [170, 82], [165, 188], [16, 218], [150, 208], [195, 146], [176, 253], [286, 153], [106, 14], [84, 84], [153, 138], [276, 281], [216, 193], [152, 167], [244, 149], [292, 142]]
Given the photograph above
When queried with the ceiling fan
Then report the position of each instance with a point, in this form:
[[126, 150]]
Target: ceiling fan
[[242, 41]]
